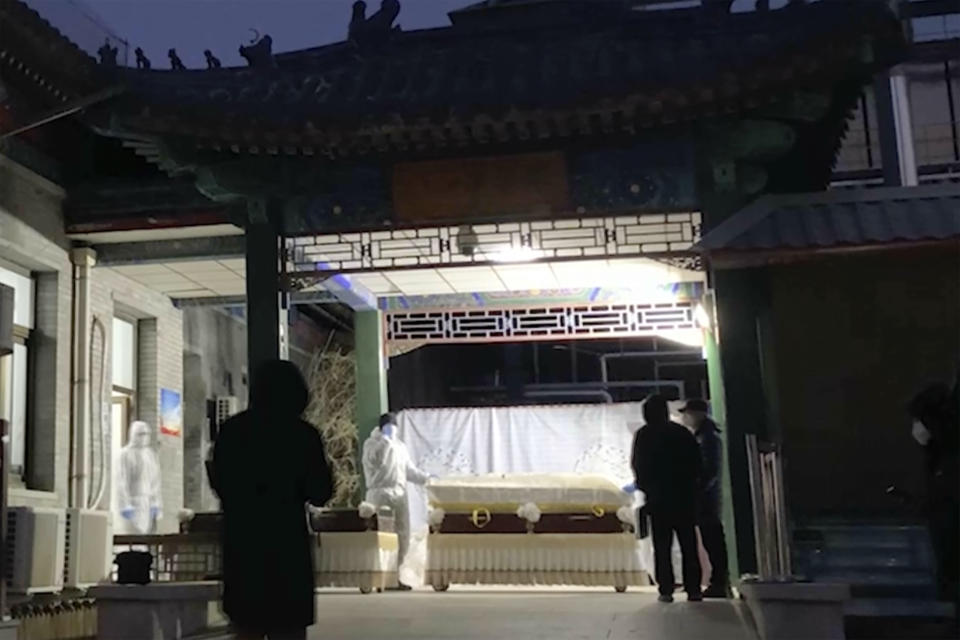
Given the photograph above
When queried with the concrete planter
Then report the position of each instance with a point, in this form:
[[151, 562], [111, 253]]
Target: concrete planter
[[158, 611], [796, 610], [9, 629]]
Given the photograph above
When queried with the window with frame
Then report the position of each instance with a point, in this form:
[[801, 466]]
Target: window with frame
[[15, 368], [124, 346], [934, 109]]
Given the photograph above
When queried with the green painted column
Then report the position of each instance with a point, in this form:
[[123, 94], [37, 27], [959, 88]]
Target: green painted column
[[371, 363], [718, 407]]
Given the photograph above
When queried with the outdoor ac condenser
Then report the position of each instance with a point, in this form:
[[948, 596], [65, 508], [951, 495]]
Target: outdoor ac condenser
[[227, 406], [35, 545], [89, 548]]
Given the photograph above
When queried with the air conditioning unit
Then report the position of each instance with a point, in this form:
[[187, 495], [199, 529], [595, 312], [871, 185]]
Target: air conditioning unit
[[227, 406], [88, 559], [35, 544]]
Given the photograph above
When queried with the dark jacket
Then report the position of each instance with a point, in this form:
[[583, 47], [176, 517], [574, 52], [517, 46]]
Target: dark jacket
[[666, 463], [267, 464], [711, 456]]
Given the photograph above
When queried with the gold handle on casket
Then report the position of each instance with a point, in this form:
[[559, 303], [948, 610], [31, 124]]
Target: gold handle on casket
[[598, 511], [475, 517]]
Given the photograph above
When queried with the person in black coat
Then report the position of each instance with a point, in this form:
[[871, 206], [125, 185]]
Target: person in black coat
[[708, 508], [666, 464], [935, 428], [267, 465]]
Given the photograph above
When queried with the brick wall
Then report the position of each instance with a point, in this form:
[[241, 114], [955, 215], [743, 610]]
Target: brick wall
[[31, 236], [30, 206], [159, 366]]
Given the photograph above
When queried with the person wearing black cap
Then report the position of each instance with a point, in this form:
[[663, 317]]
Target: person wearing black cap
[[708, 507], [666, 465]]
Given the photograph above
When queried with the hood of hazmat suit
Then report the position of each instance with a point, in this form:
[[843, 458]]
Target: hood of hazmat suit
[[138, 481]]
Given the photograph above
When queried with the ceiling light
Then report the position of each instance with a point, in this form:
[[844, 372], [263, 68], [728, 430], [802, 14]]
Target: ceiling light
[[514, 254]]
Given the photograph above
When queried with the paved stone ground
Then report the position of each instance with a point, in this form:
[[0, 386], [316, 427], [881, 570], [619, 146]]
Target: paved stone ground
[[491, 614]]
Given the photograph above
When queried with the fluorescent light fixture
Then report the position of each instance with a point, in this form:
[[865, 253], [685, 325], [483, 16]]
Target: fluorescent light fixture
[[687, 337], [514, 254]]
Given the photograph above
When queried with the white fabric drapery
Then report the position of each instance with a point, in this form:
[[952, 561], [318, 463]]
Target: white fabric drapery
[[545, 558], [537, 439], [367, 559]]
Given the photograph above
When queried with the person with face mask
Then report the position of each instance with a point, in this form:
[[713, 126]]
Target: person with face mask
[[708, 506], [386, 470], [935, 428], [138, 486]]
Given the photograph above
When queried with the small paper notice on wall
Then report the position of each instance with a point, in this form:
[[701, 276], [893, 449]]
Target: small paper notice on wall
[[171, 413]]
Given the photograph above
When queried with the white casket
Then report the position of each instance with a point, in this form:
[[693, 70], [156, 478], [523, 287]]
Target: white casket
[[532, 529]]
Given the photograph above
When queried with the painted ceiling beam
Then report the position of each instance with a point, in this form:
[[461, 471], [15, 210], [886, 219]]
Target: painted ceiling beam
[[158, 251]]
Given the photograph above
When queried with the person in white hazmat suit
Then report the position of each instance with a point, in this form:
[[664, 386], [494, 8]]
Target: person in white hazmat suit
[[138, 482], [386, 469]]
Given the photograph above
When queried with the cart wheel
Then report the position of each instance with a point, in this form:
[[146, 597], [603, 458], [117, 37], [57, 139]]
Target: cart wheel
[[440, 588], [620, 589], [365, 590]]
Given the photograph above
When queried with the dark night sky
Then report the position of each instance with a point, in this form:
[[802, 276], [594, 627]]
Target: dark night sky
[[191, 26]]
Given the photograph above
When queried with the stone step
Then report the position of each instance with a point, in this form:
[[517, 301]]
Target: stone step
[[892, 628], [895, 590], [903, 559], [870, 576], [899, 608], [852, 536]]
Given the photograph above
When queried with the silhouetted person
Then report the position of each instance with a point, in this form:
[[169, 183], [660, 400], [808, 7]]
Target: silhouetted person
[[666, 464], [267, 464], [935, 425], [708, 506]]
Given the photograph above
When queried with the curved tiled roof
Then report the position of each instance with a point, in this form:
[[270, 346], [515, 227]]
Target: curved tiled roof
[[455, 86], [39, 54], [836, 219]]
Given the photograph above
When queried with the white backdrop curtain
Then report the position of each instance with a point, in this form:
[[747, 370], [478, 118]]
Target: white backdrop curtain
[[593, 438]]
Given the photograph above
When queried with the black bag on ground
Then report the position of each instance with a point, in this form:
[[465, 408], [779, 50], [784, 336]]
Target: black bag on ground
[[133, 567]]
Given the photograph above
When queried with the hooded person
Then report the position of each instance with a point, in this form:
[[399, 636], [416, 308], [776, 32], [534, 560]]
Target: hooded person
[[268, 464], [138, 486], [386, 470]]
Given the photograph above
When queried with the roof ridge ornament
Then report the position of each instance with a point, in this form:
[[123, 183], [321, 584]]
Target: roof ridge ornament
[[376, 29], [213, 62], [176, 64], [259, 53], [108, 54], [143, 62]]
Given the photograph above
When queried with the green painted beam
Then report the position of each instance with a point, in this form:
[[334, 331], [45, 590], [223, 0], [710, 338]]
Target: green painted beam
[[718, 406]]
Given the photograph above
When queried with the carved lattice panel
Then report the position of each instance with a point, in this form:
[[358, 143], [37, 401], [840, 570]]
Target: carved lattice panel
[[617, 236], [540, 323]]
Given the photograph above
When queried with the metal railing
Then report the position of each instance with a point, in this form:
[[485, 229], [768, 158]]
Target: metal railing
[[771, 532], [177, 557]]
